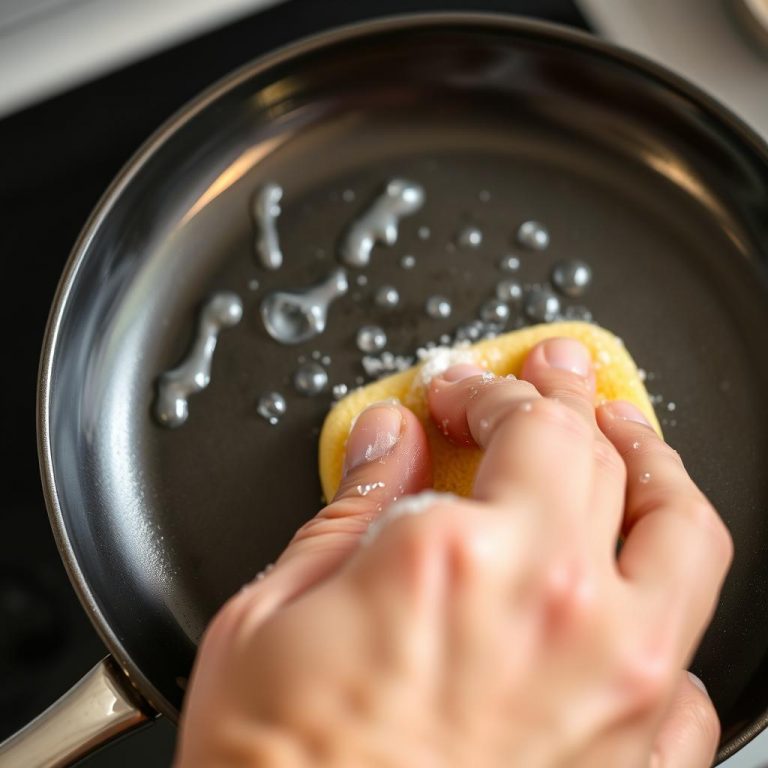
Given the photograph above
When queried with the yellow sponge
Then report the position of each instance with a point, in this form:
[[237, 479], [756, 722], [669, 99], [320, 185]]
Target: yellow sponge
[[454, 467]]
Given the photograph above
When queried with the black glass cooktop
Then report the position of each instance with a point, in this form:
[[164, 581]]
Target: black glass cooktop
[[56, 159]]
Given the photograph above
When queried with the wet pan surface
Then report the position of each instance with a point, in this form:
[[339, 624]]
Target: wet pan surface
[[663, 194]]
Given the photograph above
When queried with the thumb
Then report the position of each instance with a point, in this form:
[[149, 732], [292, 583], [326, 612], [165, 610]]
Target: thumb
[[689, 734], [387, 456]]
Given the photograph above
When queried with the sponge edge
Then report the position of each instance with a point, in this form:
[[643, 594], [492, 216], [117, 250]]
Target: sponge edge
[[616, 374]]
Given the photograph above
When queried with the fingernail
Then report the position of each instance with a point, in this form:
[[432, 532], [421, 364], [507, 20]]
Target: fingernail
[[568, 355], [461, 371], [374, 435], [697, 682], [620, 409]]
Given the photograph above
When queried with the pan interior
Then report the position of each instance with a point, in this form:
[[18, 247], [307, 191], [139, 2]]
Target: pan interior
[[499, 123]]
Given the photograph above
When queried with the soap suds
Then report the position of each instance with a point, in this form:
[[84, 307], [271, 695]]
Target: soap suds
[[408, 505], [437, 360]]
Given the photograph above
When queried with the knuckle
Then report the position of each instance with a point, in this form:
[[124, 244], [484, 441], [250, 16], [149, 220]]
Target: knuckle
[[419, 538], [725, 540], [570, 592], [648, 675], [460, 545], [226, 624], [704, 516], [472, 551], [564, 383], [554, 413], [513, 388], [700, 512]]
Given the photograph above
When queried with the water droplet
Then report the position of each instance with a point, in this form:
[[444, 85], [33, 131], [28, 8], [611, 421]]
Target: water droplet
[[348, 195], [470, 331], [572, 277], [193, 375], [291, 318], [263, 574], [361, 280], [542, 305], [636, 444], [272, 407], [387, 296], [533, 235], [494, 311], [509, 290], [424, 233], [325, 360], [645, 477], [438, 307], [310, 379], [381, 221], [408, 262], [339, 391], [577, 313], [509, 263], [366, 488], [484, 196], [253, 285], [470, 237], [671, 406], [371, 338]]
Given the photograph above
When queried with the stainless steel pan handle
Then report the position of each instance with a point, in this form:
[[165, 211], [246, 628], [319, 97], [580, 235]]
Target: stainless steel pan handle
[[97, 709]]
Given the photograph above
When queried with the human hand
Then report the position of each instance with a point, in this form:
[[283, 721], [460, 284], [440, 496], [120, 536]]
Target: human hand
[[502, 630]]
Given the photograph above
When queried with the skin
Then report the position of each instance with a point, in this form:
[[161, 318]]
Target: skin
[[501, 630]]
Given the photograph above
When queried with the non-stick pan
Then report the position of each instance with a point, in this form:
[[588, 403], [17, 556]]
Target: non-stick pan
[[656, 186]]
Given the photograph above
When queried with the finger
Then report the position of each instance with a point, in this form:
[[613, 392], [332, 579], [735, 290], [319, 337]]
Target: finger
[[562, 369], [524, 437], [690, 732], [387, 456], [450, 395], [557, 368], [675, 542]]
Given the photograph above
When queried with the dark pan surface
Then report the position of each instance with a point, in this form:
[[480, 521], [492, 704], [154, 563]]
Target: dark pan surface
[[662, 193]]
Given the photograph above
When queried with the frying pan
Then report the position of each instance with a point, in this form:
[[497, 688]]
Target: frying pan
[[632, 169]]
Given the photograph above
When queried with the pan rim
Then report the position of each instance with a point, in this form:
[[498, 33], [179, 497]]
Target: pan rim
[[520, 26]]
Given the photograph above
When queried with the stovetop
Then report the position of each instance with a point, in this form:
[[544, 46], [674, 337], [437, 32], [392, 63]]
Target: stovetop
[[57, 159]]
